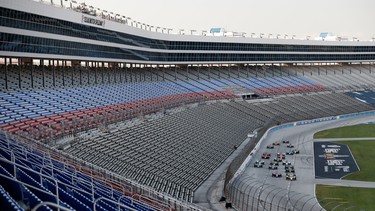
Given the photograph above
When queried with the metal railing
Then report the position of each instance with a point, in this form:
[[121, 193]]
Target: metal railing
[[157, 200]]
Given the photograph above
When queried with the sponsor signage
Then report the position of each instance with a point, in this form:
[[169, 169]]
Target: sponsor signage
[[93, 21], [316, 120], [333, 160]]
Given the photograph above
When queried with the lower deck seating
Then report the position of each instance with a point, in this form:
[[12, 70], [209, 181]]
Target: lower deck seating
[[176, 153], [28, 177]]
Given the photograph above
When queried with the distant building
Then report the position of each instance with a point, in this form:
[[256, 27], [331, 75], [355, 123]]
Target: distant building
[[327, 36], [217, 32]]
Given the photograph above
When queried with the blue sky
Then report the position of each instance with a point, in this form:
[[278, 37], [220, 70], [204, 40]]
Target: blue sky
[[351, 18]]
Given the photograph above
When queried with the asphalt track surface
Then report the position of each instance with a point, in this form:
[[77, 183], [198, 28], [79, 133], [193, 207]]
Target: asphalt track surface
[[256, 189]]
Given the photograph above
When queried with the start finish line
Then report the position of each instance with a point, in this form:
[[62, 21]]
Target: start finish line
[[333, 160]]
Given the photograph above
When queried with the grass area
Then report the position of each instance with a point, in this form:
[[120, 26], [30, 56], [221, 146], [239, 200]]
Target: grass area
[[355, 131], [363, 154], [332, 196]]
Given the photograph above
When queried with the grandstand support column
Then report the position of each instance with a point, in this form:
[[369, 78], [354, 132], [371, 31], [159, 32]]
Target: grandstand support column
[[198, 71], [108, 73], [102, 71], [80, 76], [72, 75], [228, 73], [369, 64], [175, 73], [163, 75], [318, 70], [19, 73], [43, 74], [126, 74], [264, 70], [96, 75], [247, 70], [53, 73], [120, 71], [32, 73], [326, 68], [209, 72], [238, 71], [303, 71], [6, 74], [63, 73]]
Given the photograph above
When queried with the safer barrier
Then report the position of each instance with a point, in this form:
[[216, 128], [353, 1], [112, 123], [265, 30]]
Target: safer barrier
[[248, 193]]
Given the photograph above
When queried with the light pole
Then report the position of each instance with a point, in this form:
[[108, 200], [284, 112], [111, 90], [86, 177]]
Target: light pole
[[269, 36], [294, 36], [277, 36], [261, 35], [285, 36], [252, 34], [204, 32], [181, 31], [308, 37], [157, 28]]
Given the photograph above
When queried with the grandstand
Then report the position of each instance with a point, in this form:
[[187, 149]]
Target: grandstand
[[99, 112]]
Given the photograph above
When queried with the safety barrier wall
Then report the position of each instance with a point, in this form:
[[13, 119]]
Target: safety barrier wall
[[248, 193]]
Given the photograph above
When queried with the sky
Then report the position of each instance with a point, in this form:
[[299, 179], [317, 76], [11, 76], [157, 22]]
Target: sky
[[347, 18]]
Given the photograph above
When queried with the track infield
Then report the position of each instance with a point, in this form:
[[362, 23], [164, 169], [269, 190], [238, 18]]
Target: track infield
[[355, 131], [345, 198]]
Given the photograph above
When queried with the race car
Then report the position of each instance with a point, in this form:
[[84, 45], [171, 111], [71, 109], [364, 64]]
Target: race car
[[286, 163], [276, 174], [282, 155], [289, 169], [276, 143], [266, 155], [273, 167], [291, 176], [285, 142], [290, 146], [260, 161], [290, 152], [296, 151], [258, 165], [274, 163], [277, 159], [270, 146]]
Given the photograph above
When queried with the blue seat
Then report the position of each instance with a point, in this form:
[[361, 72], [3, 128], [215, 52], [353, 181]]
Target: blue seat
[[7, 202]]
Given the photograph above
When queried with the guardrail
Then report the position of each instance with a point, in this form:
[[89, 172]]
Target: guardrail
[[247, 193]]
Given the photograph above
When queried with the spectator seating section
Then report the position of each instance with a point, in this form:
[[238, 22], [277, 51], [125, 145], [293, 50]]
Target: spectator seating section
[[174, 154], [54, 112], [34, 177]]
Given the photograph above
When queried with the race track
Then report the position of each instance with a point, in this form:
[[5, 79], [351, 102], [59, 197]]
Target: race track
[[256, 189]]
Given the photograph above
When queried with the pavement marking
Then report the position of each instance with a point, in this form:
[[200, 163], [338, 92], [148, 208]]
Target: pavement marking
[[333, 160]]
